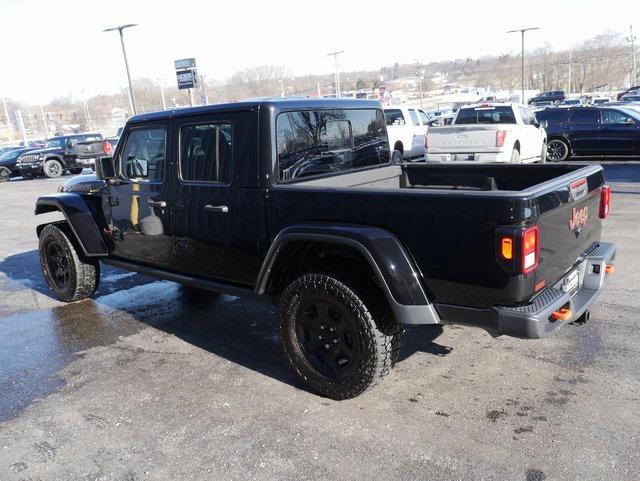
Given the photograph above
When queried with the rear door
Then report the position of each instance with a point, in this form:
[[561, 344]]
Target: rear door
[[584, 133], [216, 219], [620, 133]]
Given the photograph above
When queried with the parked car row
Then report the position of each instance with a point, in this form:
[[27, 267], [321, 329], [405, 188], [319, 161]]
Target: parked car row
[[67, 153]]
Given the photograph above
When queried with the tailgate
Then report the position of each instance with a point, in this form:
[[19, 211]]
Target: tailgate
[[568, 224], [463, 138], [89, 149]]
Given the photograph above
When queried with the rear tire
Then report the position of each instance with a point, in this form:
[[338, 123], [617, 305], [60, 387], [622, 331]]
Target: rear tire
[[557, 150], [515, 156], [339, 344], [76, 171], [69, 276], [5, 174], [52, 168]]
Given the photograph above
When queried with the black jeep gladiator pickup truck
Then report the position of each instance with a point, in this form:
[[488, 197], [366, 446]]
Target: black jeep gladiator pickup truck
[[297, 202], [56, 157]]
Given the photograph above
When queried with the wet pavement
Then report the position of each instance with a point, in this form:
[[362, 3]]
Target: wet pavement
[[150, 381]]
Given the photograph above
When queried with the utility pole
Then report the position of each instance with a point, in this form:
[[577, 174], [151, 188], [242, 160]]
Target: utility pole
[[44, 122], [570, 68], [420, 75], [319, 91], [281, 88], [337, 74], [522, 31], [86, 113], [634, 73], [132, 101], [6, 116]]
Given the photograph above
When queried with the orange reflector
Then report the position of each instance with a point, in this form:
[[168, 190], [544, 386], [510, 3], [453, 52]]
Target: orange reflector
[[610, 269], [507, 248], [563, 314]]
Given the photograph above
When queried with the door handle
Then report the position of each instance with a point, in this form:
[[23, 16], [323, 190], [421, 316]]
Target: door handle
[[216, 208], [157, 203]]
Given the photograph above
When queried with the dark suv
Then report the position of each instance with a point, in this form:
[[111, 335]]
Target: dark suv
[[555, 96], [57, 156], [591, 131]]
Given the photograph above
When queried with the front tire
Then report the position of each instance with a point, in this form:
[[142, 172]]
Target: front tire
[[5, 174], [69, 276], [557, 150], [52, 168], [337, 342]]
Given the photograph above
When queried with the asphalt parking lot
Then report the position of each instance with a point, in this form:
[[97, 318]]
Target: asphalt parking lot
[[146, 382]]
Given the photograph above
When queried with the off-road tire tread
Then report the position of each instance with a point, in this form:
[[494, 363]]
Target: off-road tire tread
[[85, 275], [381, 334]]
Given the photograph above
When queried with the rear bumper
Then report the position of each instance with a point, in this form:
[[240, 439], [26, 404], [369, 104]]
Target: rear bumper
[[477, 157], [534, 321]]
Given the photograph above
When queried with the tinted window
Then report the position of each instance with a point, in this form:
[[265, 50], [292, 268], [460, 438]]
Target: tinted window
[[553, 115], [584, 116], [330, 141], [615, 117], [205, 152], [144, 154], [56, 142], [485, 115], [414, 117], [394, 117]]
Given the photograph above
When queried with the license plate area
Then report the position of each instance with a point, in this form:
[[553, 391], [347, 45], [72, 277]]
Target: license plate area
[[571, 282]]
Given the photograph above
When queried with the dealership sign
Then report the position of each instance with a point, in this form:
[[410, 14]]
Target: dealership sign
[[186, 73]]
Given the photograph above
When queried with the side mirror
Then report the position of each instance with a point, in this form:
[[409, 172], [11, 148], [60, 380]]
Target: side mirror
[[105, 168], [544, 124], [396, 157]]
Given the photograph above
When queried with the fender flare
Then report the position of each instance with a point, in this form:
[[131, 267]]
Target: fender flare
[[79, 218], [384, 252]]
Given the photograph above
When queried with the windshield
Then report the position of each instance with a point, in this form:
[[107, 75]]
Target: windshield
[[56, 142], [485, 115]]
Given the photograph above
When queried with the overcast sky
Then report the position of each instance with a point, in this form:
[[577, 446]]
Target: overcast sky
[[57, 47]]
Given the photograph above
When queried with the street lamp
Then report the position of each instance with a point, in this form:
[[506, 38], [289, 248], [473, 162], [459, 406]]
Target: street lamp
[[522, 30], [120, 28]]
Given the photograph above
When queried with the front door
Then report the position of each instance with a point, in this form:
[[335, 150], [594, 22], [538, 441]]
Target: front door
[[140, 214], [217, 220], [620, 133]]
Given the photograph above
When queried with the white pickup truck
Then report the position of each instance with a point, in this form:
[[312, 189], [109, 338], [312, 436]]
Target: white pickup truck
[[496, 132], [406, 127]]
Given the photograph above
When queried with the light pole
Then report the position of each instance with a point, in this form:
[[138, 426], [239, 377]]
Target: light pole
[[120, 28], [337, 75], [634, 72], [8, 120], [522, 31]]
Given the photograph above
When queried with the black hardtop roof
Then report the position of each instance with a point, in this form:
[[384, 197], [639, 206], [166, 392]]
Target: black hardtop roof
[[277, 104]]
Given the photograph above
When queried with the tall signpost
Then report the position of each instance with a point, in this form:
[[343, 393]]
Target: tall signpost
[[187, 75], [522, 31]]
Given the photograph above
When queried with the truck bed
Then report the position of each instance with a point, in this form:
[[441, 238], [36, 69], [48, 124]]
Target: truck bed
[[448, 215]]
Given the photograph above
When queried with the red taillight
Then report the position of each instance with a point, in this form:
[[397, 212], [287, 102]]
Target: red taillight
[[530, 249], [426, 140], [107, 148], [500, 136], [605, 201]]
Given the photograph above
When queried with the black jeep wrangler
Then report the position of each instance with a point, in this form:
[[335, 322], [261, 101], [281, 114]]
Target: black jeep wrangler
[[56, 157], [297, 202]]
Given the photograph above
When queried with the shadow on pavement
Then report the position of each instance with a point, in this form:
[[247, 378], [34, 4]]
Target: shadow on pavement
[[40, 343]]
